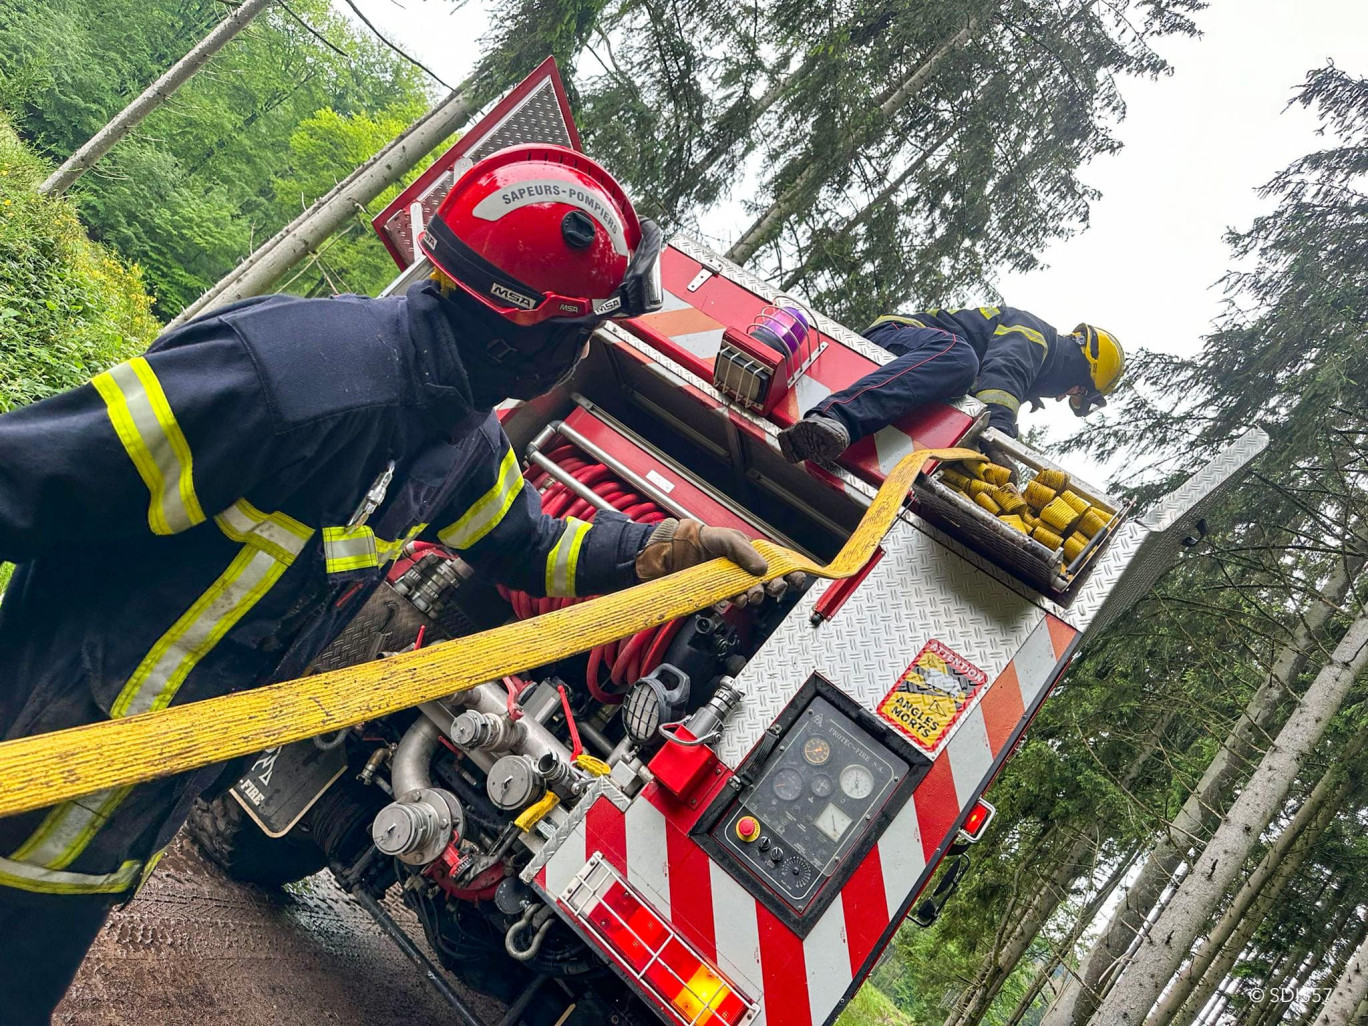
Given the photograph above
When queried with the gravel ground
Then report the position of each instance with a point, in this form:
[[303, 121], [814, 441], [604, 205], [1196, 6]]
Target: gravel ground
[[195, 947]]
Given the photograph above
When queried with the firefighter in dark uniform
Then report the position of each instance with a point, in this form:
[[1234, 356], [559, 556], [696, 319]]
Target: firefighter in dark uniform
[[207, 517], [1004, 356]]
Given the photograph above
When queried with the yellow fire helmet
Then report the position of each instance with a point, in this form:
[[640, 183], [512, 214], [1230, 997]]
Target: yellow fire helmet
[[1106, 364]]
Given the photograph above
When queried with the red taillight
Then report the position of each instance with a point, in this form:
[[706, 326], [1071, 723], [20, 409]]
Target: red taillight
[[667, 967], [976, 823]]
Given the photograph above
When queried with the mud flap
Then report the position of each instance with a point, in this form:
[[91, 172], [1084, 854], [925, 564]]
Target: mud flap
[[284, 783]]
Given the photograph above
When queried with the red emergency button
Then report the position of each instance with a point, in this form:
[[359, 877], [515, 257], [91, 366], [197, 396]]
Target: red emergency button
[[747, 828]]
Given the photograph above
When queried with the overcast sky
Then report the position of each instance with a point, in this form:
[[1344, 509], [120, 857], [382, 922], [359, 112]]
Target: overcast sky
[[1197, 146]]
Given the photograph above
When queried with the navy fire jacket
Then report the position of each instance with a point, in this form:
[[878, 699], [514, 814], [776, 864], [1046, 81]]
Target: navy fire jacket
[[180, 523], [1020, 356]]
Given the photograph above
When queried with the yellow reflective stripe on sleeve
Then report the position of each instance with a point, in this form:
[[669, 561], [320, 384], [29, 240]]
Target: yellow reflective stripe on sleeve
[[142, 418], [998, 396], [896, 319], [989, 312], [488, 510], [68, 828], [349, 548], [563, 560], [276, 534], [163, 670], [1031, 333], [24, 877], [389, 550]]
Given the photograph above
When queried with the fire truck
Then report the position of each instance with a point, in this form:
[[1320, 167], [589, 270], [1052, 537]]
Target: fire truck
[[722, 820]]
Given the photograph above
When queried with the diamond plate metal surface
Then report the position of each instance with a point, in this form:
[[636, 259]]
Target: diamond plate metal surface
[[1143, 550], [920, 590], [1187, 501], [537, 119], [600, 787]]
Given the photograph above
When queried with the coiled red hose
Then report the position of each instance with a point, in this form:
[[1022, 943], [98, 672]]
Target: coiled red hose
[[627, 660]]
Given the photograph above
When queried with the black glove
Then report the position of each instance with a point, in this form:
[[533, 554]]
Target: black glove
[[997, 454]]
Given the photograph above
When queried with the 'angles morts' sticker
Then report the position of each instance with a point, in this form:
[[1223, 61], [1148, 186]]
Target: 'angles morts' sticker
[[931, 695]]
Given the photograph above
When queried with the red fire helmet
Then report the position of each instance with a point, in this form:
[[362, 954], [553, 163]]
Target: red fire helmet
[[542, 232]]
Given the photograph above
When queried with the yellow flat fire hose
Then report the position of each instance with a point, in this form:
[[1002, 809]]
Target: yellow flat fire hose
[[45, 769]]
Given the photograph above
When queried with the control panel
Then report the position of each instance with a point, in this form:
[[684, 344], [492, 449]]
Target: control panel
[[820, 791]]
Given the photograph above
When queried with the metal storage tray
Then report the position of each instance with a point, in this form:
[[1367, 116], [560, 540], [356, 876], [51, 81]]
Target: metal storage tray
[[1015, 552]]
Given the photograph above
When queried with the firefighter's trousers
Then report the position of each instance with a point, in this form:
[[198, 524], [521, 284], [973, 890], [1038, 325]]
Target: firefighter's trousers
[[931, 365], [62, 870]]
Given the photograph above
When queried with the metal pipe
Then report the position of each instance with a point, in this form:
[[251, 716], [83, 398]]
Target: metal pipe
[[430, 970], [491, 698], [412, 759], [630, 476], [578, 487], [514, 1014]]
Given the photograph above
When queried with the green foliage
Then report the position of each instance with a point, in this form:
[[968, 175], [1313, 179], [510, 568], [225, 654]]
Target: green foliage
[[273, 121], [872, 1007], [68, 309]]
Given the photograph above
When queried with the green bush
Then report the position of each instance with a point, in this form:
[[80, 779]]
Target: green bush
[[68, 309]]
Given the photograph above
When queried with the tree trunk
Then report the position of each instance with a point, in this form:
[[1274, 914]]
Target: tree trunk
[[1350, 989], [1002, 961], [1209, 966], [1212, 874], [268, 263], [1080, 995], [764, 227], [151, 98], [1081, 921]]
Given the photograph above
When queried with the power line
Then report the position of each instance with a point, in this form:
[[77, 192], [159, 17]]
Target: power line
[[381, 36]]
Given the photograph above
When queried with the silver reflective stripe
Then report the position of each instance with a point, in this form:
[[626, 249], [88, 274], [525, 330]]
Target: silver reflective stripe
[[179, 650], [349, 548], [281, 535], [68, 829], [147, 428], [488, 510], [24, 877], [563, 559]]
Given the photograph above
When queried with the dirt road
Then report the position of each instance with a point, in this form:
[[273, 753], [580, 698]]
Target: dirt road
[[195, 948]]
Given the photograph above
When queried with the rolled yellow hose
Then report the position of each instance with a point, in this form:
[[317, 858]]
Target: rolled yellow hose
[[995, 474], [986, 501], [1037, 494], [1014, 523], [955, 479], [1059, 515], [1055, 480], [1047, 537], [1093, 521], [1079, 504], [1073, 545], [1008, 499]]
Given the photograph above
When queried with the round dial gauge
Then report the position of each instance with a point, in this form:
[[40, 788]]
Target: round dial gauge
[[816, 750], [787, 784], [822, 785], [857, 781], [796, 874]]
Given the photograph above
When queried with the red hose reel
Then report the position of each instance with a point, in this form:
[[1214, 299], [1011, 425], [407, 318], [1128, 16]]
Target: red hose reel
[[631, 658]]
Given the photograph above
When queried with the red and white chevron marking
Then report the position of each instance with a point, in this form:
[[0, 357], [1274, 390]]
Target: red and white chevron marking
[[802, 981]]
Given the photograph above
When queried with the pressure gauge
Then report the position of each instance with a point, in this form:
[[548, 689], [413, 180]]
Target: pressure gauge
[[822, 785], [816, 750], [788, 784], [856, 781]]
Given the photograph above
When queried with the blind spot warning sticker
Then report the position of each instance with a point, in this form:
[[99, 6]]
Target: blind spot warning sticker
[[931, 695]]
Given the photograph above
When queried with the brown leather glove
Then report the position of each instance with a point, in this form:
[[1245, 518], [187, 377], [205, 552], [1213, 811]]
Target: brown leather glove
[[678, 544]]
